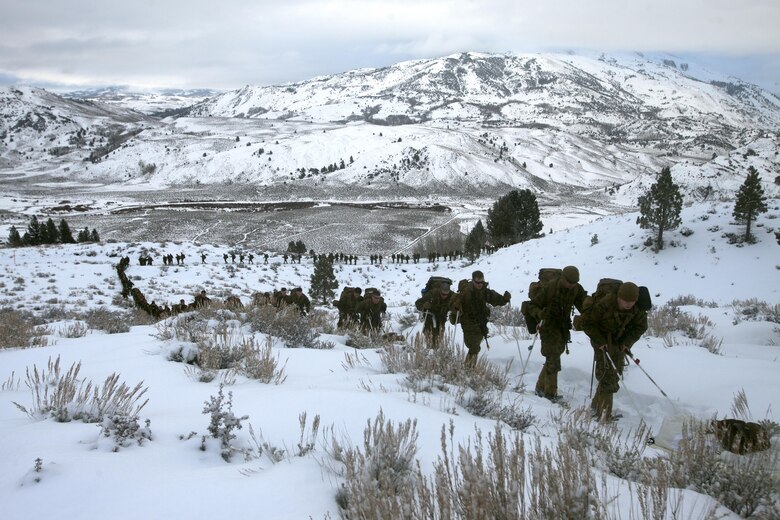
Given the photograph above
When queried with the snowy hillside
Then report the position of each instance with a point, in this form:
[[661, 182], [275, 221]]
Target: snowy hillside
[[565, 126], [732, 291]]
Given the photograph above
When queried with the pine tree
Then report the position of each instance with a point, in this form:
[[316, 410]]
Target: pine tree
[[52, 234], [750, 201], [83, 235], [14, 240], [514, 218], [33, 232], [323, 281], [660, 207], [66, 237], [94, 237], [475, 241]]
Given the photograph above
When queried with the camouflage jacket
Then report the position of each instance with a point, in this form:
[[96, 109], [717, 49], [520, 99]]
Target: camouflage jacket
[[473, 305], [605, 323], [439, 304], [370, 312], [553, 304]]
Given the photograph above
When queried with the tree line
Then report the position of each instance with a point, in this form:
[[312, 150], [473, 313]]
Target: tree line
[[515, 217], [49, 233]]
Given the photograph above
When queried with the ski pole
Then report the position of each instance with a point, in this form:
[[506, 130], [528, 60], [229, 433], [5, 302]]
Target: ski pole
[[531, 347], [592, 372], [636, 361], [651, 439]]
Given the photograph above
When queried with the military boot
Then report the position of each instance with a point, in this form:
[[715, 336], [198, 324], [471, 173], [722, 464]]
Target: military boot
[[471, 359], [602, 406]]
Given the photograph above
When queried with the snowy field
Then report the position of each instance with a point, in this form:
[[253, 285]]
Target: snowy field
[[733, 291]]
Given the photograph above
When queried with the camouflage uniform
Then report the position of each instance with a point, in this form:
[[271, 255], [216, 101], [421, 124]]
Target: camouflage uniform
[[300, 300], [371, 310], [474, 313], [347, 306], [435, 304], [615, 329], [552, 307]]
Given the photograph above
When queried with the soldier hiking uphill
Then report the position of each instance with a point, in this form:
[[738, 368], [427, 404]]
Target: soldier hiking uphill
[[551, 302], [471, 309], [613, 324], [300, 300], [371, 310], [347, 306], [435, 303]]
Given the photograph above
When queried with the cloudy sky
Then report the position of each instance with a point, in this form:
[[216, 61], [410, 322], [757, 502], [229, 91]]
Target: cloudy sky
[[227, 44]]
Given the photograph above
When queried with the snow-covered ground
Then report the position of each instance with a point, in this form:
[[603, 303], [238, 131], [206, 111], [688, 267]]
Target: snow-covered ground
[[170, 476]]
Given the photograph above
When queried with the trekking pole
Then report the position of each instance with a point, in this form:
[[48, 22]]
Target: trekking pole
[[531, 346], [592, 372], [636, 361], [650, 439]]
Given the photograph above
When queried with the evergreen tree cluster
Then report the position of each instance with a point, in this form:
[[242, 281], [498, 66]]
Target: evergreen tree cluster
[[297, 247], [49, 233], [514, 218], [660, 207]]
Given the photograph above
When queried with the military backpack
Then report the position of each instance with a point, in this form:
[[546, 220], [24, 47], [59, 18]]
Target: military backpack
[[434, 282], [546, 275]]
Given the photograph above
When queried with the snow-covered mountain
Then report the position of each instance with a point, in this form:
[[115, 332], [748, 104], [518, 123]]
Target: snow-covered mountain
[[469, 124], [154, 101]]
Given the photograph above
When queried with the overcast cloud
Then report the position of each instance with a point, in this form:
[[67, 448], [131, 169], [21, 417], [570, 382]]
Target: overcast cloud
[[230, 43]]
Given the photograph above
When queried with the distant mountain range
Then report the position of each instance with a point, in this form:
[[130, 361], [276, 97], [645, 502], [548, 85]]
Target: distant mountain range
[[566, 126]]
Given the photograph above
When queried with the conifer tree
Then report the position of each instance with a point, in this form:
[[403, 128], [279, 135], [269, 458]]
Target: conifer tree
[[323, 281], [475, 241], [52, 234], [660, 207], [750, 201], [66, 237], [94, 237], [514, 218], [33, 232], [83, 235], [14, 239]]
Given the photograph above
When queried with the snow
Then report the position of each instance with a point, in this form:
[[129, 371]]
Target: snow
[[171, 477]]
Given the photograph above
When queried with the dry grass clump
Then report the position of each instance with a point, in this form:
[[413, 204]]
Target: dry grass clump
[[65, 397], [19, 329], [111, 322], [669, 321], [428, 368], [754, 309]]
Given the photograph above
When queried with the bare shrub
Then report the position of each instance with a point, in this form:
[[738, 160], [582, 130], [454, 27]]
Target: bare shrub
[[123, 430], [286, 324], [77, 329], [746, 484], [19, 329], [64, 397], [379, 477], [111, 322], [495, 405], [690, 299], [756, 310], [507, 316], [259, 363], [408, 319], [223, 421], [429, 368]]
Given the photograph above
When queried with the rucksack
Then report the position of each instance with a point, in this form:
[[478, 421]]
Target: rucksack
[[433, 282], [546, 274], [456, 305], [644, 302]]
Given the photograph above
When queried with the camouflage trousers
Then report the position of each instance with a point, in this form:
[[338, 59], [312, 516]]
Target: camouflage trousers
[[608, 378], [473, 335], [553, 345], [433, 329]]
